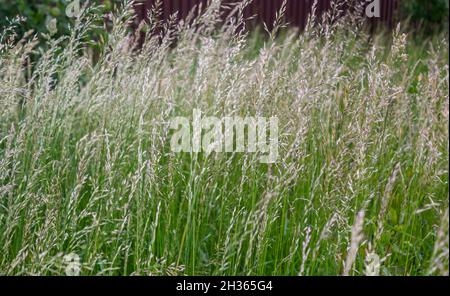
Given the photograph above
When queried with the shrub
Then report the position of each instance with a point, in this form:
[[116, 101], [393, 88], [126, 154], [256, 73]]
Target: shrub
[[430, 14]]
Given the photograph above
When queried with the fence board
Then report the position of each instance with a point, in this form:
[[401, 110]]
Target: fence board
[[297, 11]]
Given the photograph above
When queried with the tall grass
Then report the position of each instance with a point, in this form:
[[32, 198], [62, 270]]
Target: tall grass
[[86, 165]]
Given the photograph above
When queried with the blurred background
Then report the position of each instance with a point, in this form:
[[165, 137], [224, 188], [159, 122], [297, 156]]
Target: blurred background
[[425, 15]]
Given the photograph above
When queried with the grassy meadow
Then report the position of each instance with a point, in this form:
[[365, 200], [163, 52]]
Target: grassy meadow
[[360, 186]]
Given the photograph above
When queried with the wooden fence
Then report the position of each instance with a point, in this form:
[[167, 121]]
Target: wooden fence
[[297, 11]]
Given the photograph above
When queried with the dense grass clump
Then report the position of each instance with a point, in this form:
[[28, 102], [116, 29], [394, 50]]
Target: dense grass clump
[[86, 166]]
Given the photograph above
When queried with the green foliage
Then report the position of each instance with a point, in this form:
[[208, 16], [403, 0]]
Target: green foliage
[[48, 16], [428, 13], [37, 14]]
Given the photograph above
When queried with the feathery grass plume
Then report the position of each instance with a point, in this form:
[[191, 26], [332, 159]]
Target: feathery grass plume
[[440, 258], [86, 166], [356, 238]]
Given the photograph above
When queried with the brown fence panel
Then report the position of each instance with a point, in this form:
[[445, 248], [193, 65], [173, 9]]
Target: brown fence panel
[[297, 11]]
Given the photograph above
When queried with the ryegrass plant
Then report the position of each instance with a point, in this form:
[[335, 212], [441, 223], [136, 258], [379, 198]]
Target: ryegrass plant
[[86, 165]]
